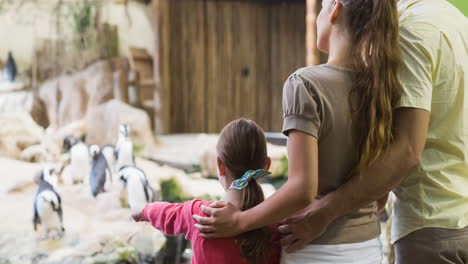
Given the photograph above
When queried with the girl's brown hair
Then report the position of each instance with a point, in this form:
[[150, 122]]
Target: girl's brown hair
[[242, 147], [374, 30]]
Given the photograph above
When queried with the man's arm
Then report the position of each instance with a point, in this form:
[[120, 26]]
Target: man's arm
[[403, 156]]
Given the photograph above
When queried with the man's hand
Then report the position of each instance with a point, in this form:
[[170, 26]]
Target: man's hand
[[224, 220], [304, 227], [138, 217]]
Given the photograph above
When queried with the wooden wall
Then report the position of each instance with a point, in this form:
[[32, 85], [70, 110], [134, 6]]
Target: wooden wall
[[225, 59]]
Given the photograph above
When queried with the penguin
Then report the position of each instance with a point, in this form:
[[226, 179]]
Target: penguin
[[79, 159], [124, 148], [10, 68], [99, 178], [109, 153], [139, 191], [48, 206]]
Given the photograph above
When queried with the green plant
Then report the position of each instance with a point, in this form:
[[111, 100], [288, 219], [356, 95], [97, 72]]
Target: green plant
[[283, 169], [82, 15], [5, 5], [171, 191], [138, 149]]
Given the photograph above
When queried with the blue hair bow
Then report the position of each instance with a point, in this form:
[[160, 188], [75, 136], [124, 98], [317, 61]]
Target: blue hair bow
[[241, 183]]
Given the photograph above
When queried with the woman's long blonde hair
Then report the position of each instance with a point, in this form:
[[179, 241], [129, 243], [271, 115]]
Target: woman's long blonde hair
[[374, 29]]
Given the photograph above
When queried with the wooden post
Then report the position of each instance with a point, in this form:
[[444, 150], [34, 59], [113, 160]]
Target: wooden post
[[313, 54], [162, 99]]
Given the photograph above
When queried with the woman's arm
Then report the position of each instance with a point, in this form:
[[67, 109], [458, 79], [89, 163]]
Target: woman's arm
[[298, 192], [403, 156]]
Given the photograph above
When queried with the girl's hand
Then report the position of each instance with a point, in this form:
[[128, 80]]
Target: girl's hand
[[138, 217], [223, 221]]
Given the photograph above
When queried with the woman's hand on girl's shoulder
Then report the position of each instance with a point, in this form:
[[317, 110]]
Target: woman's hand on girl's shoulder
[[223, 220]]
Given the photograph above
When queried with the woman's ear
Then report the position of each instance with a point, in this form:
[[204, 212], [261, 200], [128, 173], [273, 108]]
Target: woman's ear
[[268, 163], [221, 167], [337, 11]]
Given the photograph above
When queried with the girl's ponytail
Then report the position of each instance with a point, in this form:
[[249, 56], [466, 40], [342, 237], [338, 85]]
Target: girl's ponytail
[[242, 148], [255, 245]]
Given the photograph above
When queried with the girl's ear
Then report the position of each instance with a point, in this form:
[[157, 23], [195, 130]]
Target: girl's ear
[[221, 167], [337, 11], [268, 163]]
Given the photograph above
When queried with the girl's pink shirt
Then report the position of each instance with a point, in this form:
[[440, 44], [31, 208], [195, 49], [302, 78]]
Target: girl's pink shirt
[[176, 219]]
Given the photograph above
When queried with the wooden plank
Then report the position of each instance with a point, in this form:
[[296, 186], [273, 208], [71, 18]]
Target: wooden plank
[[162, 99], [197, 64], [228, 59], [176, 71], [227, 83], [263, 51], [213, 21]]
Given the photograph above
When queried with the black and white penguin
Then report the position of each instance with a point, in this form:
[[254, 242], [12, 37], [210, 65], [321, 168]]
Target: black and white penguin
[[139, 191], [124, 148], [109, 153], [48, 206], [100, 176], [79, 159], [10, 68]]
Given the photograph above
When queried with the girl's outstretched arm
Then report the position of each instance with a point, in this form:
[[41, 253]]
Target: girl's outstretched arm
[[298, 192], [170, 218]]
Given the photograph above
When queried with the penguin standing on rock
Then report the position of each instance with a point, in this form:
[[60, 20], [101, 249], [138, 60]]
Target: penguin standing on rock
[[10, 68], [109, 153], [79, 159], [48, 206], [124, 148], [139, 191], [100, 176]]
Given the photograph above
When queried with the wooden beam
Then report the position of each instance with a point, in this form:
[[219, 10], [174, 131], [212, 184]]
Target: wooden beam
[[162, 95], [312, 52]]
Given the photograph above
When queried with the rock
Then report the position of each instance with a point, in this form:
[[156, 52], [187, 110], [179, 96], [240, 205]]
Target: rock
[[104, 120], [73, 103], [15, 174], [208, 165], [70, 97], [173, 149], [51, 95], [117, 255], [39, 112], [16, 101], [99, 83], [35, 153], [17, 132], [96, 229], [147, 240], [53, 139], [25, 101], [12, 86]]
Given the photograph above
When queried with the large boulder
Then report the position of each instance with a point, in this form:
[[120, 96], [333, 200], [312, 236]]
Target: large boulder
[[70, 97], [17, 132], [104, 120], [73, 103], [16, 175], [25, 101], [49, 149]]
